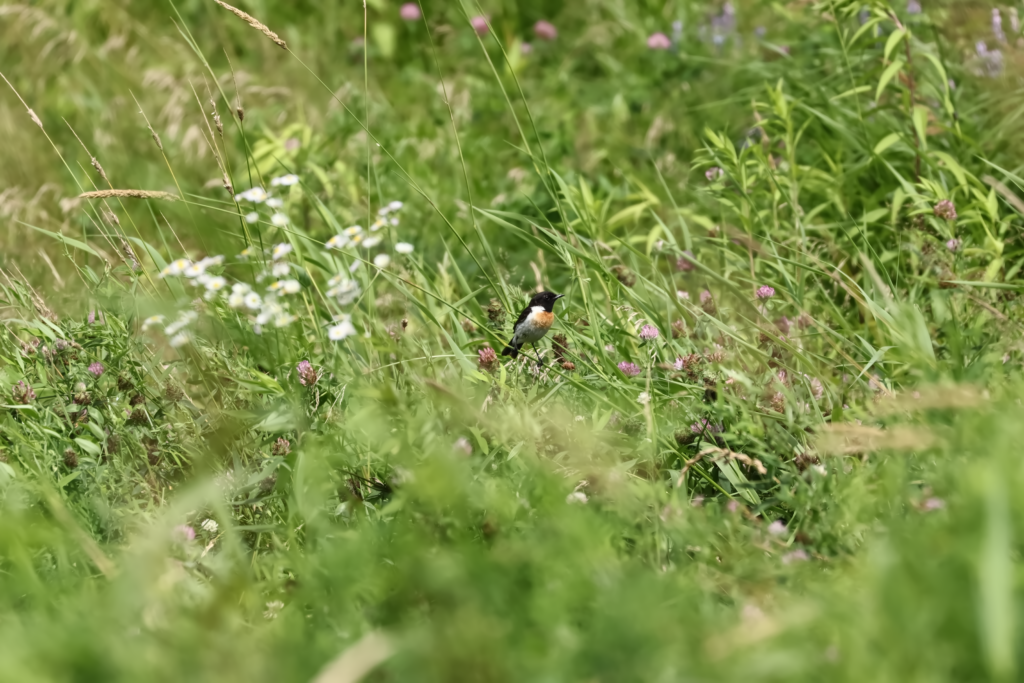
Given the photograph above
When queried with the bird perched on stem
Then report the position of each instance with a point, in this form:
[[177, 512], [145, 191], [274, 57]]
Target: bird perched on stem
[[533, 323]]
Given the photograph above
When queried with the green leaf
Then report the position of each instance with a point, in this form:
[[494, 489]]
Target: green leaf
[[888, 75], [886, 142], [894, 39], [89, 447], [69, 241], [921, 125]]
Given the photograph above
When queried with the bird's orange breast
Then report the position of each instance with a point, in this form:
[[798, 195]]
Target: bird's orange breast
[[543, 320]]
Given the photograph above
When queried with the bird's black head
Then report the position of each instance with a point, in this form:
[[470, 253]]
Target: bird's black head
[[545, 299]]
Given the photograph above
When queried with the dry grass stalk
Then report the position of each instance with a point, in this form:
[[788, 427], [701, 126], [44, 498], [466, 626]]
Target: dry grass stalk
[[254, 23], [129, 255], [99, 169], [957, 397], [156, 138], [134, 194], [854, 439], [228, 186]]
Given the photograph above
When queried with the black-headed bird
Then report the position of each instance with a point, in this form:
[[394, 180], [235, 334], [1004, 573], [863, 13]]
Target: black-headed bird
[[533, 323]]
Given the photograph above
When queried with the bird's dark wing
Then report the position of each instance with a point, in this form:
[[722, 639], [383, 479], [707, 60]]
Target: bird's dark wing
[[522, 317]]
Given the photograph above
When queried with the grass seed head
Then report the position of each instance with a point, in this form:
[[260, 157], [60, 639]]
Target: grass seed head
[[252, 21]]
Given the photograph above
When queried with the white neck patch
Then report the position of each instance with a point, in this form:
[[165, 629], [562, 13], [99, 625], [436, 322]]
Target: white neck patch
[[537, 309]]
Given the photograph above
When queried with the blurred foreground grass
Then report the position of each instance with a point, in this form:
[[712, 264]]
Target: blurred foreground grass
[[256, 428]]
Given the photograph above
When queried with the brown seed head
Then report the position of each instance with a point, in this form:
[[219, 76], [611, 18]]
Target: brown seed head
[[133, 194], [254, 23]]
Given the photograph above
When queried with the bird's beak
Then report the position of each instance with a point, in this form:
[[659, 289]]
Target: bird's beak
[[558, 296]]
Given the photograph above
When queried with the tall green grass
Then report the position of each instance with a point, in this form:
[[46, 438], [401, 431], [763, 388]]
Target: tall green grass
[[774, 438]]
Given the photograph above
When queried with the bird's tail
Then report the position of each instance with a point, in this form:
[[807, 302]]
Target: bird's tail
[[511, 350]]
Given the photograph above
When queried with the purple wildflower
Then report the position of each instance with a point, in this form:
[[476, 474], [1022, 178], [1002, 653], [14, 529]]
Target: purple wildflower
[[798, 555], [648, 332], [765, 292], [23, 393], [946, 210], [480, 25], [705, 296], [410, 11], [307, 374], [913, 7], [659, 41], [629, 369], [954, 245], [184, 532], [932, 504], [777, 528], [713, 174], [487, 358], [525, 48], [703, 425], [545, 30], [97, 369], [92, 317], [463, 446], [997, 25], [685, 262]]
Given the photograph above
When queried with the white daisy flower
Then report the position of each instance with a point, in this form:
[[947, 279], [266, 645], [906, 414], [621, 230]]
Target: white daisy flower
[[377, 225], [256, 195], [343, 329], [337, 242], [240, 288], [404, 248], [383, 211], [356, 265], [275, 202], [195, 270], [251, 218], [236, 299], [355, 240], [372, 241], [176, 267], [382, 260], [281, 268], [215, 284], [269, 312], [151, 320], [179, 340], [212, 261], [285, 180], [290, 286], [284, 320], [245, 254], [183, 320], [353, 230], [394, 222], [396, 205], [281, 250], [202, 279], [252, 301], [279, 219], [346, 291]]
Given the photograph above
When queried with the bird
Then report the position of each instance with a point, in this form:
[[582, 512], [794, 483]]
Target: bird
[[533, 323]]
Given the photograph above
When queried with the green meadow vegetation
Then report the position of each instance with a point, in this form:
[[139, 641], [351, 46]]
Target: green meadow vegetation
[[260, 263]]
